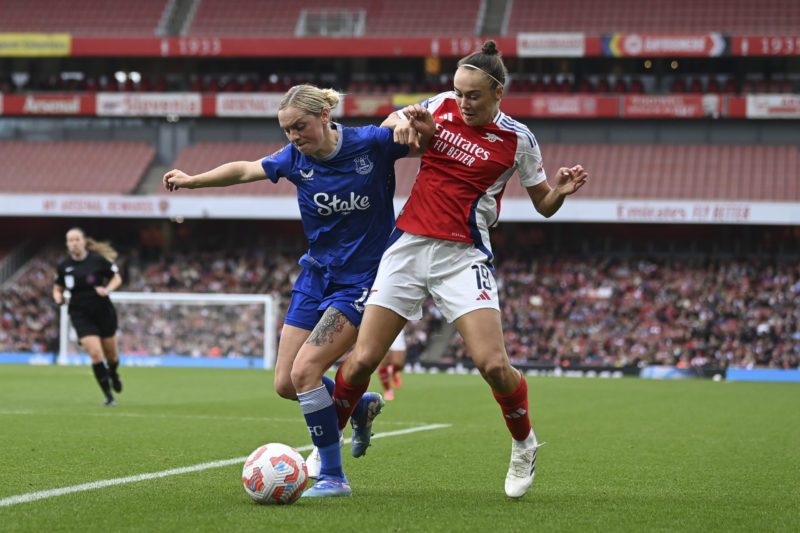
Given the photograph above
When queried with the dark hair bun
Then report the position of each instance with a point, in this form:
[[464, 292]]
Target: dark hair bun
[[490, 48]]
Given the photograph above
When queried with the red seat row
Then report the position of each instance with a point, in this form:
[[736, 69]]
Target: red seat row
[[618, 171]]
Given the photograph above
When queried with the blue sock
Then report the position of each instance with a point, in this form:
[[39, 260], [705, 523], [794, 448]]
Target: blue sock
[[331, 457], [323, 425], [329, 383]]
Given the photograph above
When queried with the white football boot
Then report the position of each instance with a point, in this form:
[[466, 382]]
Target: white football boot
[[314, 461], [522, 467]]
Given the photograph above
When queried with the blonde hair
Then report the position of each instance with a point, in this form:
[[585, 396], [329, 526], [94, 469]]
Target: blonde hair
[[103, 248], [310, 99]]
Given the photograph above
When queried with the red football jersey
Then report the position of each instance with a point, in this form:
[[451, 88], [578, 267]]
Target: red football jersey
[[463, 173]]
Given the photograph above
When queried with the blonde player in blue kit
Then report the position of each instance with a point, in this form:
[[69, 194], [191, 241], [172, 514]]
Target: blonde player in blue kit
[[345, 183]]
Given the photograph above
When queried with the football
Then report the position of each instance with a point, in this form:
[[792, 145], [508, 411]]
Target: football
[[275, 474]]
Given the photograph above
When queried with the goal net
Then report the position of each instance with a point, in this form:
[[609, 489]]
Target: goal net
[[187, 329]]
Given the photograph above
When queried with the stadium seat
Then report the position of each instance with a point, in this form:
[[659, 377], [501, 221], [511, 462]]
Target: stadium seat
[[110, 167], [83, 17], [259, 18], [771, 17], [620, 87], [679, 85], [669, 171]]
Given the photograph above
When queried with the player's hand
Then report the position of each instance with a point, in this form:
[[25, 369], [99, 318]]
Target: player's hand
[[422, 121], [417, 124], [101, 291], [571, 179], [175, 179], [404, 133]]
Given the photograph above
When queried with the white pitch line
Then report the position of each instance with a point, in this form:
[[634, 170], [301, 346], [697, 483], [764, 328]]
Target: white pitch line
[[118, 414], [41, 495], [151, 417]]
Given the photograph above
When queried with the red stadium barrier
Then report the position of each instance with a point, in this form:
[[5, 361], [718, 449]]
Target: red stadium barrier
[[521, 45]]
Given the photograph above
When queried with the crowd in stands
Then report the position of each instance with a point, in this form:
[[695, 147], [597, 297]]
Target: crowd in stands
[[30, 320], [230, 331], [208, 330], [609, 310], [28, 315], [617, 311]]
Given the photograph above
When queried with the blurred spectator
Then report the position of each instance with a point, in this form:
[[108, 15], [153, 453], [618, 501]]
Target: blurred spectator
[[598, 310], [621, 311]]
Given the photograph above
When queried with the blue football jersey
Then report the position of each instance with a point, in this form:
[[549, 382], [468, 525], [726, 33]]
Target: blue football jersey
[[345, 199]]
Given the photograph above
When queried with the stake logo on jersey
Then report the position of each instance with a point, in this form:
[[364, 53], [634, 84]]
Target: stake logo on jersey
[[464, 172], [329, 205], [342, 194]]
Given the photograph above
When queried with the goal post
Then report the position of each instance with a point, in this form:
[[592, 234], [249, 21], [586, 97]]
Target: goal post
[[183, 327]]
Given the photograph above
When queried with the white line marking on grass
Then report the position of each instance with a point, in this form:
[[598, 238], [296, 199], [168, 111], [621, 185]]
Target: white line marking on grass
[[196, 417], [42, 495], [404, 431], [118, 414], [152, 416]]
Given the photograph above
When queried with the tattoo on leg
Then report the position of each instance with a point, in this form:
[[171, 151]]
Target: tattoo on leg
[[332, 322]]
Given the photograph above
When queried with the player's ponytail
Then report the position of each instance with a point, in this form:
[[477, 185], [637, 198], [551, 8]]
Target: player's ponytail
[[103, 248], [310, 99], [330, 96]]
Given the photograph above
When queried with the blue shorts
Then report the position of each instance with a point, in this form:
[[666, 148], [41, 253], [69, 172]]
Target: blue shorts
[[313, 293]]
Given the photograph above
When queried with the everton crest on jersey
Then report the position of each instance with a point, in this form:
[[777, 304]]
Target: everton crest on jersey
[[363, 164], [345, 198]]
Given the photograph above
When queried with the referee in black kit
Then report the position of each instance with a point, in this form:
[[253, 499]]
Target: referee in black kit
[[89, 274]]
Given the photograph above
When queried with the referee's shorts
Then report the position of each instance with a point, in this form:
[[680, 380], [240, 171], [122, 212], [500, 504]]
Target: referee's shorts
[[100, 321]]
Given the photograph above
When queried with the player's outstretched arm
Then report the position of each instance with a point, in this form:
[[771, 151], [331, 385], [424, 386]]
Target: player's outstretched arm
[[223, 176], [548, 200]]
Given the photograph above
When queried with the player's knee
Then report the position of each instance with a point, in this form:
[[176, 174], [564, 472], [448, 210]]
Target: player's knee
[[496, 372], [361, 366], [304, 376], [285, 388]]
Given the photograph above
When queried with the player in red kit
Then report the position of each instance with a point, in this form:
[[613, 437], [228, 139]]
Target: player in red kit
[[441, 245]]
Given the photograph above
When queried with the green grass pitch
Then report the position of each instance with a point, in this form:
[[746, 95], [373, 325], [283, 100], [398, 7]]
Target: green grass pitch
[[621, 455]]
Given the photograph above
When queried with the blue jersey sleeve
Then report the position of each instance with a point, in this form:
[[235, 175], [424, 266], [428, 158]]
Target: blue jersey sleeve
[[279, 164], [385, 140]]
